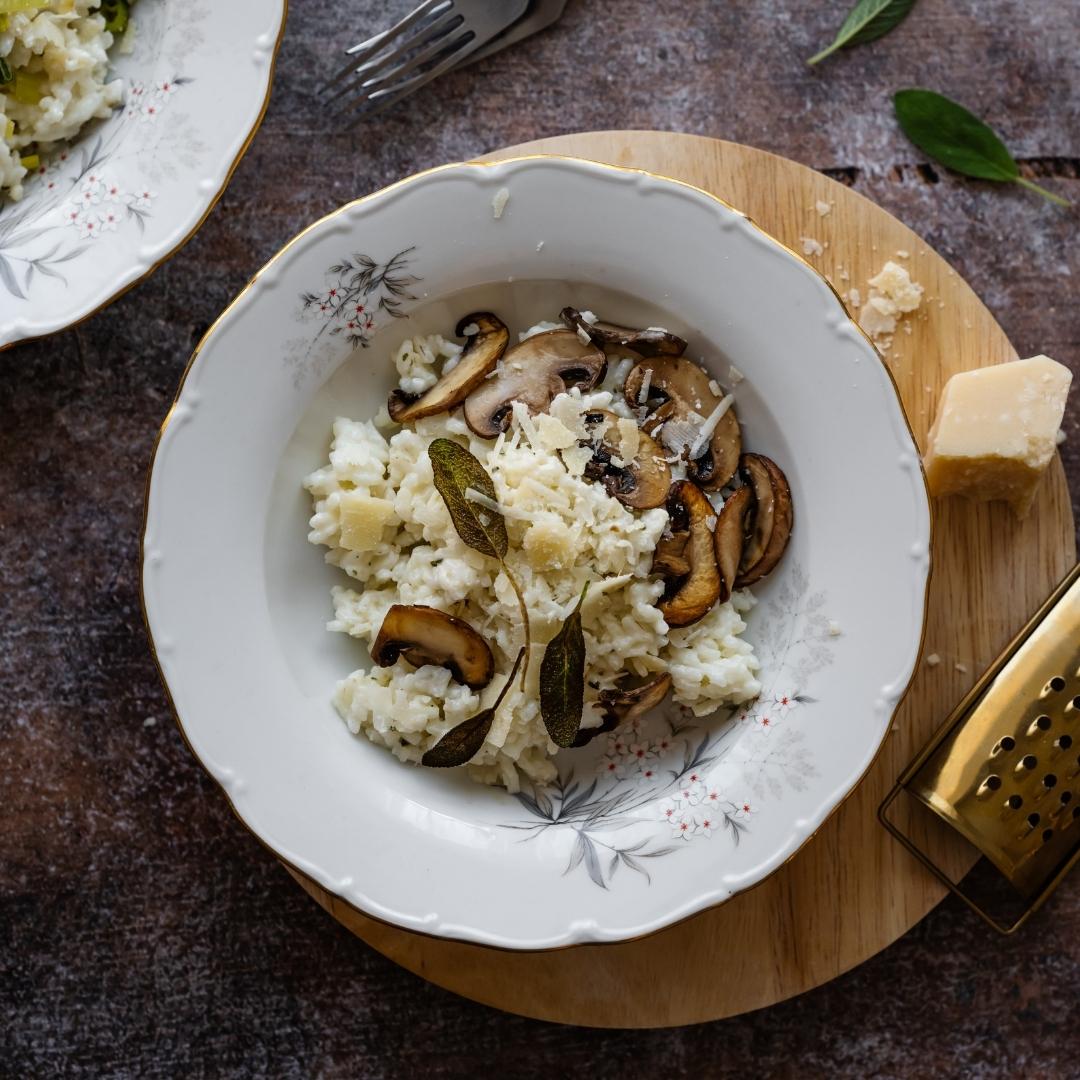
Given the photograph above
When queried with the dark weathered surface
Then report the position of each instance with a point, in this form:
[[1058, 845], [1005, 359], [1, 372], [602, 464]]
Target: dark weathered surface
[[142, 931]]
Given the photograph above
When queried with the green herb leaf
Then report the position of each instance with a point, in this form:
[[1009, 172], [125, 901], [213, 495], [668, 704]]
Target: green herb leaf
[[562, 679], [5, 72], [869, 20], [117, 14], [463, 742], [455, 471], [948, 133]]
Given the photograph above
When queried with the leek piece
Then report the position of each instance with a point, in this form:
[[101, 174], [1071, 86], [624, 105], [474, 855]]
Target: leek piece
[[28, 89]]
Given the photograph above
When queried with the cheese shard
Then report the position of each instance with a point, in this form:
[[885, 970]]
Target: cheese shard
[[996, 431], [362, 519]]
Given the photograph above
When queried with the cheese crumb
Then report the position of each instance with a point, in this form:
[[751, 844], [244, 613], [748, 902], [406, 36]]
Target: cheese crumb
[[362, 518], [892, 295], [834, 628], [499, 201], [823, 208], [933, 660], [962, 668], [735, 376], [810, 246]]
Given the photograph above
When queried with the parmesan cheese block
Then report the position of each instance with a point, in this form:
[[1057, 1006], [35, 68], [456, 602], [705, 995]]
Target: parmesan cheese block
[[996, 431], [362, 520]]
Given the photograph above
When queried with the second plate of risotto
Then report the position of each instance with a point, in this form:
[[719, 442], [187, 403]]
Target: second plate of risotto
[[510, 584]]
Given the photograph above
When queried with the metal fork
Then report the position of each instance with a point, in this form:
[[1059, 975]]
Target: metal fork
[[391, 65]]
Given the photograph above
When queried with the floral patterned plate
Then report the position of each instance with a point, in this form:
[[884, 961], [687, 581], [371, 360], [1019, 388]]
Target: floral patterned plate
[[660, 821], [113, 205]]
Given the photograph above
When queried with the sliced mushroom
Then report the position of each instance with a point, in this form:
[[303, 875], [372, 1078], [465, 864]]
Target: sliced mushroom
[[677, 388], [483, 348], [651, 342], [773, 519], [669, 559], [729, 538], [621, 706], [425, 635], [689, 599], [643, 481], [533, 372]]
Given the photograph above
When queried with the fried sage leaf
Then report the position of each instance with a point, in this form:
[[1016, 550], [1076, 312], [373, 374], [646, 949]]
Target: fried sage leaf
[[868, 20], [562, 679], [462, 743], [456, 471]]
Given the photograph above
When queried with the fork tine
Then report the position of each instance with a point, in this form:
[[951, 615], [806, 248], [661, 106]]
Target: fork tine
[[433, 51], [385, 98], [431, 34], [365, 49]]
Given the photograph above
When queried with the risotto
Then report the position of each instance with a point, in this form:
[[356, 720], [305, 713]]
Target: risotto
[[53, 78], [378, 510]]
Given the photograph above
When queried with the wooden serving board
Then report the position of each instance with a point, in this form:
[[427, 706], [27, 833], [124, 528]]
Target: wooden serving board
[[852, 890]]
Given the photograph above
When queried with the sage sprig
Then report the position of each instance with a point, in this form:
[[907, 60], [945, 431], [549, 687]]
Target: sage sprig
[[948, 133], [482, 527], [462, 743], [869, 20], [562, 679]]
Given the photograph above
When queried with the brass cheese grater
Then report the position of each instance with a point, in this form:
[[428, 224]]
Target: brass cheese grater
[[1004, 769]]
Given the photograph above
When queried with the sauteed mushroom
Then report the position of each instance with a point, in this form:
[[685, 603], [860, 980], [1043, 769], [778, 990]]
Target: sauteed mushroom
[[643, 478], [773, 518], [688, 599], [425, 635], [533, 372], [650, 342], [483, 348], [729, 538], [621, 706], [673, 388]]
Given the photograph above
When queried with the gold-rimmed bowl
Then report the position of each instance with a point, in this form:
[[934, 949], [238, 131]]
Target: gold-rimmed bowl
[[237, 600], [106, 210]]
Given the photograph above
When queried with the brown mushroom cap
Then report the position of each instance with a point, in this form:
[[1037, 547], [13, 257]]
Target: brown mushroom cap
[[482, 351], [642, 482], [691, 598], [533, 372], [730, 537], [677, 388], [650, 342], [424, 635], [621, 706], [765, 551]]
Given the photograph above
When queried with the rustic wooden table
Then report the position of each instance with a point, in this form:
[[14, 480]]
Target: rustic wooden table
[[142, 930]]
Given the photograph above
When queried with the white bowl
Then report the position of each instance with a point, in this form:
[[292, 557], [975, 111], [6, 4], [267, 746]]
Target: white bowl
[[237, 600], [130, 190]]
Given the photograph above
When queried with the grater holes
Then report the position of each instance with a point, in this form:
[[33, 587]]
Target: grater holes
[[1007, 743], [1056, 684], [1014, 802], [1075, 704], [1066, 798], [1063, 742], [1026, 764], [1048, 835], [1076, 811], [1033, 820], [991, 783], [1049, 781], [1039, 725]]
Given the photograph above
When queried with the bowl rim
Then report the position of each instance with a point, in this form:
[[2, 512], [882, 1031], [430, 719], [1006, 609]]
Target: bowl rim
[[215, 198], [295, 870]]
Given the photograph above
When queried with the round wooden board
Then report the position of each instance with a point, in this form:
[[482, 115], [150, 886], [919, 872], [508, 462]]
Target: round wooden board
[[852, 890]]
